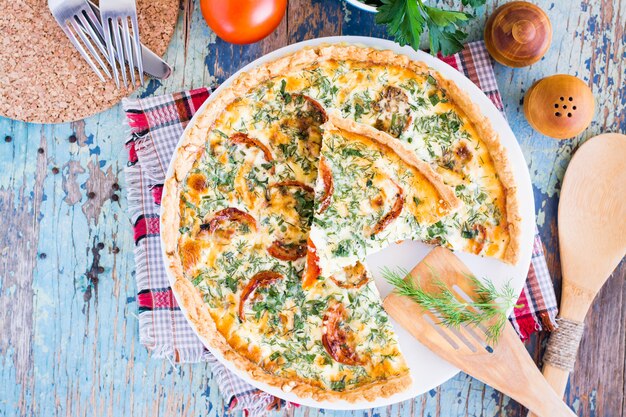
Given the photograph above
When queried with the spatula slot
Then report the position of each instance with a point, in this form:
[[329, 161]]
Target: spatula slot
[[463, 296], [447, 332], [477, 337], [467, 342], [441, 332], [478, 331]]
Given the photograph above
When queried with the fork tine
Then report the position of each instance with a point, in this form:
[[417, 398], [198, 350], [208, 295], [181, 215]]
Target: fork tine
[[82, 52], [94, 27], [97, 40], [88, 45], [93, 19], [128, 52], [137, 47], [118, 45], [106, 26]]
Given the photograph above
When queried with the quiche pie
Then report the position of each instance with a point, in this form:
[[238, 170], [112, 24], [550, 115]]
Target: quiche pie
[[239, 203], [371, 191]]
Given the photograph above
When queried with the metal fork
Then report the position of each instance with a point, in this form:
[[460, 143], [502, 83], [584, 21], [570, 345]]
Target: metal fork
[[115, 15], [83, 28]]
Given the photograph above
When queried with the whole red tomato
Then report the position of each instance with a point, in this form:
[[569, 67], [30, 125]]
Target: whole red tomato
[[243, 21]]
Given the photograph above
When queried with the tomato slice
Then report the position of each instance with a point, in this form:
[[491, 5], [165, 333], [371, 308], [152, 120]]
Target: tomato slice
[[282, 250], [335, 339], [319, 109], [312, 270], [260, 279], [393, 214], [287, 251], [242, 138], [329, 187], [292, 183], [230, 214]]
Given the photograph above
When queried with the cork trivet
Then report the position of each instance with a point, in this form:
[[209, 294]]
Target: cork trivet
[[44, 79]]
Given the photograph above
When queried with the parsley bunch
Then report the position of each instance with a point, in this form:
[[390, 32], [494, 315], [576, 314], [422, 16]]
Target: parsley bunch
[[406, 20]]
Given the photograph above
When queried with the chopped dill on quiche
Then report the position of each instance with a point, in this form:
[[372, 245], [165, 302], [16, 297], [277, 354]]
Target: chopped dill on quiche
[[252, 197]]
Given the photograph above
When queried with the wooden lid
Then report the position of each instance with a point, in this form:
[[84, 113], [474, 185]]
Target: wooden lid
[[560, 106], [518, 34]]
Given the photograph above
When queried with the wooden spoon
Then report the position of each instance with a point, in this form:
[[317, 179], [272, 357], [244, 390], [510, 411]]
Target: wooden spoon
[[506, 366], [592, 230]]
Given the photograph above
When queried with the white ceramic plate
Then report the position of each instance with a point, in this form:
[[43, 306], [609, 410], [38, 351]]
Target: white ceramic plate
[[427, 369]]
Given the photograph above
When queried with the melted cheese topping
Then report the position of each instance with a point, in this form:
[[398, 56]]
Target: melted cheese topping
[[231, 214]]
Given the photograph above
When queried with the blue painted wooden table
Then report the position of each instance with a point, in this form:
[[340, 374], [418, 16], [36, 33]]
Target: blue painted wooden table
[[69, 341]]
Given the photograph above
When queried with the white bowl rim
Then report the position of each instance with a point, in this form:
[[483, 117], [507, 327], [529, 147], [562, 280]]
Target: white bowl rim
[[360, 5]]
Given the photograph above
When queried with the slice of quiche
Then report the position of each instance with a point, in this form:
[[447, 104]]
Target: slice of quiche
[[371, 191]]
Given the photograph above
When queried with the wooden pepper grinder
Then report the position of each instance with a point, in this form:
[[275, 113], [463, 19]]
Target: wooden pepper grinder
[[560, 106], [518, 34]]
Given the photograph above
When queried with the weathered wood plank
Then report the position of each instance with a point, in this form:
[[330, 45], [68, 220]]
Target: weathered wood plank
[[18, 256], [68, 331], [598, 381], [310, 19]]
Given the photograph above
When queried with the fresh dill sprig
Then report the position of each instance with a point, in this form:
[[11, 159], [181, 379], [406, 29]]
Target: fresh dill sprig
[[489, 306]]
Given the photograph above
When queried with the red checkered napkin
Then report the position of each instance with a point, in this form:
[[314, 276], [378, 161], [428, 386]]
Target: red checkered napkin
[[156, 124]]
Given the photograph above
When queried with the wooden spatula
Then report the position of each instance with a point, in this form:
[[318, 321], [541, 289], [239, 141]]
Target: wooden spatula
[[592, 231], [506, 366]]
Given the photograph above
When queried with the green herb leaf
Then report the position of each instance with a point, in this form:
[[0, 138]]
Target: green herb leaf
[[222, 134], [473, 3], [490, 304], [434, 99], [286, 96], [444, 18], [468, 233], [358, 111], [342, 249], [406, 20], [444, 30]]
